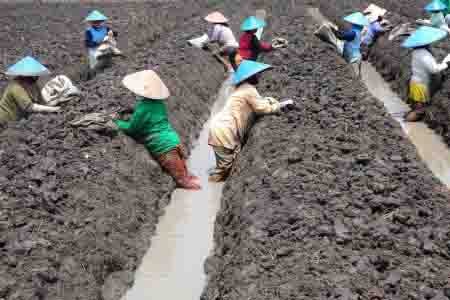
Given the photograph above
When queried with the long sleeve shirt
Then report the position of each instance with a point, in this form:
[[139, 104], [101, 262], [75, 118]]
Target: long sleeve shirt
[[150, 124], [373, 31], [424, 65], [94, 36], [229, 128], [17, 100], [222, 35], [250, 47]]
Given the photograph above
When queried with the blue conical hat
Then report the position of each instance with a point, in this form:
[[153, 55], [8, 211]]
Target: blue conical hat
[[27, 66], [252, 23], [247, 69], [423, 36], [357, 18], [435, 6], [96, 16]]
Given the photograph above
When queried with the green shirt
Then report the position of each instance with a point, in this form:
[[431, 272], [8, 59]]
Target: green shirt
[[15, 103], [149, 122]]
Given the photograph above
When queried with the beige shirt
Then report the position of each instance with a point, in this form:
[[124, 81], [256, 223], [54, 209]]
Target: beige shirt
[[230, 126]]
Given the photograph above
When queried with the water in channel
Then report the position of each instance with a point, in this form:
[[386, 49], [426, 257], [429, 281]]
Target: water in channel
[[173, 266]]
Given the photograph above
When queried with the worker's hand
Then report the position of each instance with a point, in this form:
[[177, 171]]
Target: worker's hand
[[446, 59], [55, 109]]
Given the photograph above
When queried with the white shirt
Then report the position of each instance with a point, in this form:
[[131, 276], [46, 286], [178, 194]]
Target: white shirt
[[223, 35], [424, 65]]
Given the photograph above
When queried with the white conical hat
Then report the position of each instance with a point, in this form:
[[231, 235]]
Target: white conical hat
[[146, 84], [216, 17]]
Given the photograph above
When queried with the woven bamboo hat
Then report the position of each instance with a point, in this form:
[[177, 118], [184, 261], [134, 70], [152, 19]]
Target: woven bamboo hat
[[216, 17], [146, 84]]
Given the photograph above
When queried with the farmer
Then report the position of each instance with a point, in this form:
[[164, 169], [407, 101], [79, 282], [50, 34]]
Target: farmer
[[249, 45], [376, 28], [221, 34], [22, 95], [423, 66], [149, 124], [230, 126], [437, 9], [347, 42], [95, 34]]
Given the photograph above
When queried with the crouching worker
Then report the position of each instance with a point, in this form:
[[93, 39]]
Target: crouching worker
[[377, 25], [221, 34], [250, 47], [347, 42], [23, 95], [94, 37], [149, 124], [423, 66], [229, 128]]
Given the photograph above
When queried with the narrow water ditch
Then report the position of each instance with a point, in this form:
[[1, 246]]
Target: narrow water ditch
[[433, 151], [173, 267]]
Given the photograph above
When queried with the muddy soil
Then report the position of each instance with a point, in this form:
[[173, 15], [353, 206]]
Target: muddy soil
[[329, 200], [78, 208], [394, 62]]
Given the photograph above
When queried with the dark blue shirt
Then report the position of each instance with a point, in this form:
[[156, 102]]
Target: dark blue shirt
[[94, 36]]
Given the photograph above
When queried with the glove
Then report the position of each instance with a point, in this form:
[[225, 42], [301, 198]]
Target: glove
[[278, 43], [446, 59], [44, 108], [286, 104]]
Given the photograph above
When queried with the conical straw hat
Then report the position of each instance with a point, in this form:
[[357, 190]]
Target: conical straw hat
[[96, 16], [357, 18], [423, 36], [216, 17], [146, 84], [27, 66]]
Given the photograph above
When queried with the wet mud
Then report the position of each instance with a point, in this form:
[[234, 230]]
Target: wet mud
[[78, 207], [330, 200]]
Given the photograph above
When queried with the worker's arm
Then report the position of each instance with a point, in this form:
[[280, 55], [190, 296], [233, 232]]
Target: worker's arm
[[432, 66], [262, 105], [261, 46], [25, 102], [115, 34], [133, 125], [348, 35], [43, 108]]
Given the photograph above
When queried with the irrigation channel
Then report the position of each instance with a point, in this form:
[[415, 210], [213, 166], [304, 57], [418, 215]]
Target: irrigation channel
[[433, 151], [173, 266]]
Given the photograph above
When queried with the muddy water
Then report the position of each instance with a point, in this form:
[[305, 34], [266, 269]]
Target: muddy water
[[173, 266]]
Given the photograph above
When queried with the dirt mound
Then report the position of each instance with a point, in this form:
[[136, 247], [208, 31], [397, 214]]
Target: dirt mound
[[330, 200], [78, 208]]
